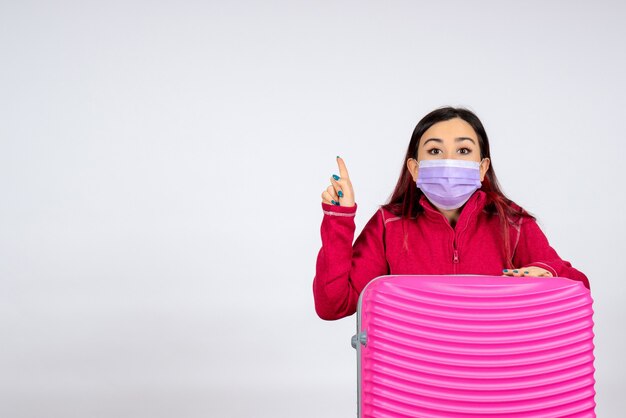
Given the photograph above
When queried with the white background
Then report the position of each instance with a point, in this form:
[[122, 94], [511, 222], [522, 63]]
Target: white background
[[161, 165]]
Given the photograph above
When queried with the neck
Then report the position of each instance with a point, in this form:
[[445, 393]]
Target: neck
[[451, 215]]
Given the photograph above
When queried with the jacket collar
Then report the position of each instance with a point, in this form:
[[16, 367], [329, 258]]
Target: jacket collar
[[470, 209]]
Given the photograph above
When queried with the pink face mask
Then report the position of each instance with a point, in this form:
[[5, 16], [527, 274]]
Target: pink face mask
[[448, 183]]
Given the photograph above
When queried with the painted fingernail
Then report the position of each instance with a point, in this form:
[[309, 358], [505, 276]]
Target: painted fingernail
[[340, 193], [514, 271], [337, 156], [334, 203], [525, 272], [335, 176], [505, 270]]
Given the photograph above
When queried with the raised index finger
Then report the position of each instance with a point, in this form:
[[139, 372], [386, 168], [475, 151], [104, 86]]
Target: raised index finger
[[343, 171]]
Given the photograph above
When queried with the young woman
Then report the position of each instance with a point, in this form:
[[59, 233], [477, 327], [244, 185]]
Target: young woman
[[447, 215]]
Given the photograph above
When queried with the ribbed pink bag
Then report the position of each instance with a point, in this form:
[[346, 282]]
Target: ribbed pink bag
[[475, 346]]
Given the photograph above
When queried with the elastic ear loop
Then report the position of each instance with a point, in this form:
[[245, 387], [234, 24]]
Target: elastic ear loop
[[481, 163]]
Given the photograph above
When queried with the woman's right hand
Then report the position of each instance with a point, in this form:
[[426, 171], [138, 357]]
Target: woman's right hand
[[340, 190]]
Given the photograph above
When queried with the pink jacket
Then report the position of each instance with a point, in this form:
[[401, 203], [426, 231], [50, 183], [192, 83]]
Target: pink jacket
[[434, 247]]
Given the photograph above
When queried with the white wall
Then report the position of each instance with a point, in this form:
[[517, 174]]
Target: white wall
[[161, 165]]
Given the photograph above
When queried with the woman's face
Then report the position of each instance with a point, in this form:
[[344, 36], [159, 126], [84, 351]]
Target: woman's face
[[450, 139]]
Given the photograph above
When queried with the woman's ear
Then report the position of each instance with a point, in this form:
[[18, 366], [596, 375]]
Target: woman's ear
[[411, 164], [484, 166]]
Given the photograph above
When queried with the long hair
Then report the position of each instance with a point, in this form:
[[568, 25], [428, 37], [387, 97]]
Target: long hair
[[404, 201]]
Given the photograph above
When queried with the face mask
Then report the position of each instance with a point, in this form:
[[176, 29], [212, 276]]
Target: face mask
[[448, 183]]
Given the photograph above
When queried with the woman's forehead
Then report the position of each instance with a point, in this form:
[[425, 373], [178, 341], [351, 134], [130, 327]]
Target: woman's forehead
[[450, 130]]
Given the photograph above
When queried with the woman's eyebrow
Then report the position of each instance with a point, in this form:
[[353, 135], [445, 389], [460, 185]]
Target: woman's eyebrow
[[459, 139], [433, 139]]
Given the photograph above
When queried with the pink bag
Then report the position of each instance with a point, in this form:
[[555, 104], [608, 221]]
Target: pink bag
[[475, 346]]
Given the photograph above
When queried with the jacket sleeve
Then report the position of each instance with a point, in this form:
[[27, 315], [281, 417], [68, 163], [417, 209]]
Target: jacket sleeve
[[533, 249], [343, 269]]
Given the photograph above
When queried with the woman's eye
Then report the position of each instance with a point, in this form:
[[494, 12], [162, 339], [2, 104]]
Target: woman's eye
[[466, 149], [430, 151]]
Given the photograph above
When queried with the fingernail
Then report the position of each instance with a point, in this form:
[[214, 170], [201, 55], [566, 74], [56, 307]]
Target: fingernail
[[514, 271], [340, 193], [525, 272], [337, 156], [335, 176], [334, 203], [505, 270]]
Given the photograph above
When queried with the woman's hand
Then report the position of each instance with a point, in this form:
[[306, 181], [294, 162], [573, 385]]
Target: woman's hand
[[340, 191], [527, 272]]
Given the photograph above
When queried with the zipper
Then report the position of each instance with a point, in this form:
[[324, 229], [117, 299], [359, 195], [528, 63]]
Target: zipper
[[455, 251], [455, 259]]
